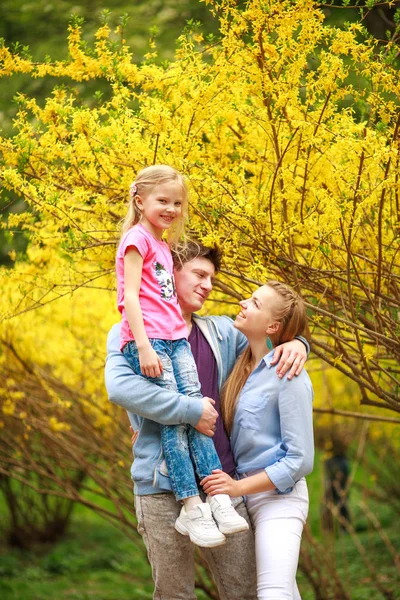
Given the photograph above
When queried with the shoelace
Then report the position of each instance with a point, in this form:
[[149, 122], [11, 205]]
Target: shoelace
[[226, 511], [207, 523]]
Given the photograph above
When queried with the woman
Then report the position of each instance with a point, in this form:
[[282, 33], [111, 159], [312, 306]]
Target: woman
[[270, 423]]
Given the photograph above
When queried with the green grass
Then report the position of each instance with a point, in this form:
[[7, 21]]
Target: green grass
[[353, 573], [96, 561]]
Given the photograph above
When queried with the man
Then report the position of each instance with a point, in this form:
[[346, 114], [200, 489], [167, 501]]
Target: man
[[215, 344]]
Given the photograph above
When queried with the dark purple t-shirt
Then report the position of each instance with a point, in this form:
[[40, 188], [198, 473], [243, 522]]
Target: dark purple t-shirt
[[208, 376]]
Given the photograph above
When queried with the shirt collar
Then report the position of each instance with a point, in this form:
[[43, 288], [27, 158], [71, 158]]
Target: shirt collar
[[267, 359]]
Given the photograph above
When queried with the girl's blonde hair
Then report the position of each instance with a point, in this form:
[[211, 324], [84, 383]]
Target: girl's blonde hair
[[290, 312], [147, 179]]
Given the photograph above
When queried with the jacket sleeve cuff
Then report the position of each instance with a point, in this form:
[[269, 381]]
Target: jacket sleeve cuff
[[194, 410], [280, 477], [305, 342]]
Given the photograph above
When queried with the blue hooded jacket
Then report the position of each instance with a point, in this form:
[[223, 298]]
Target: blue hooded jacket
[[149, 405]]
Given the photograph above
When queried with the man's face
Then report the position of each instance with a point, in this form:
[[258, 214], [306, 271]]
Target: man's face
[[193, 283]]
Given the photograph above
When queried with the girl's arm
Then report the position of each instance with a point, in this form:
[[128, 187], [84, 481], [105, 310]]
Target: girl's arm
[[142, 397], [150, 363], [221, 483]]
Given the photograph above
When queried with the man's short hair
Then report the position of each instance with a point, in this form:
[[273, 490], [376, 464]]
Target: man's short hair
[[192, 250]]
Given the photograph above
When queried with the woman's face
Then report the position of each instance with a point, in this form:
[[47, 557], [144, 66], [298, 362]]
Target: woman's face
[[256, 318]]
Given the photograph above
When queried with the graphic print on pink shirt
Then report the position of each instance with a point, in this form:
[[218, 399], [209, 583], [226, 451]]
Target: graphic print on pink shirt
[[166, 281]]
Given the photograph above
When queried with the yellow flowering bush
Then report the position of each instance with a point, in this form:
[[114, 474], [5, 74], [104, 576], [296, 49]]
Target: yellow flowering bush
[[293, 171]]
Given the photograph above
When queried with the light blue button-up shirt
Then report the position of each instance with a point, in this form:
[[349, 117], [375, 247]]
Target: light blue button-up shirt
[[272, 428]]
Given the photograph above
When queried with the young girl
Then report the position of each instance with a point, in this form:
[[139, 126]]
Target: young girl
[[270, 422], [154, 341]]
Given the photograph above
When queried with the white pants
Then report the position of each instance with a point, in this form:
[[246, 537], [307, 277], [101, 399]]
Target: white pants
[[278, 520]]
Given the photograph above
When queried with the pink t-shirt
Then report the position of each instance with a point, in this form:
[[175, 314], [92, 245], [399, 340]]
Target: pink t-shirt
[[162, 315]]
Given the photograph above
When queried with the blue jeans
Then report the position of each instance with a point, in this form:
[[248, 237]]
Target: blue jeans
[[187, 452]]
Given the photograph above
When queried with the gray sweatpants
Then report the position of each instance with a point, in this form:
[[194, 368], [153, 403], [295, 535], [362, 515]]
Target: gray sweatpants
[[171, 555]]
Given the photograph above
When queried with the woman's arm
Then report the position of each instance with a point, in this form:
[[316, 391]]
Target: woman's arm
[[296, 425], [295, 415], [221, 483], [150, 363]]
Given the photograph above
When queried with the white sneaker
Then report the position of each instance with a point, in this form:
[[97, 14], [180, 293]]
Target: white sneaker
[[228, 520], [199, 525]]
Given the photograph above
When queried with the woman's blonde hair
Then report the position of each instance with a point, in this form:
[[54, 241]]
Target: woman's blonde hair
[[290, 312], [147, 179]]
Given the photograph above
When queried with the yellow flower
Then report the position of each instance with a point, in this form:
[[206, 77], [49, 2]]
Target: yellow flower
[[8, 408], [57, 426]]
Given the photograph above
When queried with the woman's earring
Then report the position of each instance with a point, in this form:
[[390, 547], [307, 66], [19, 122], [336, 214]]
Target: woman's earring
[[269, 343]]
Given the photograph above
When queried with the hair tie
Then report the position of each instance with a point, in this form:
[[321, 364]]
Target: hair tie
[[133, 190]]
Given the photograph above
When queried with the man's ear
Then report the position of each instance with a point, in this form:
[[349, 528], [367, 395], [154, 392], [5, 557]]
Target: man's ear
[[273, 328]]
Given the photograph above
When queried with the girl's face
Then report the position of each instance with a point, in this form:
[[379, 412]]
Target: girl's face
[[256, 318], [161, 207]]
